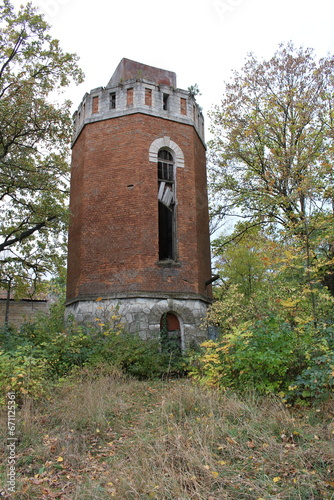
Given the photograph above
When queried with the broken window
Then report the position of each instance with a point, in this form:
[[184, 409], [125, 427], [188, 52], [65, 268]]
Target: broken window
[[166, 201]]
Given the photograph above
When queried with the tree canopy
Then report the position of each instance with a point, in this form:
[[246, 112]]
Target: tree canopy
[[272, 151], [34, 143]]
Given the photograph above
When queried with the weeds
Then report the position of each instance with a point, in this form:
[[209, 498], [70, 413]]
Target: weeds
[[104, 435]]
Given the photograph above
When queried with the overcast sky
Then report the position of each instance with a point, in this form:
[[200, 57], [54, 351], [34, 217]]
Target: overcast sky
[[201, 40]]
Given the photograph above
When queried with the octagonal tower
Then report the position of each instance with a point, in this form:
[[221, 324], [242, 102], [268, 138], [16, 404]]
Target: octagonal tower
[[139, 231]]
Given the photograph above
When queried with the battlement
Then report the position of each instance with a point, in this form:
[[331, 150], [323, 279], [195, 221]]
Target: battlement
[[138, 88]]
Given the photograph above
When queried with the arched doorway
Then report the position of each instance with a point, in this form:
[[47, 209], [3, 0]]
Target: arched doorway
[[170, 333]]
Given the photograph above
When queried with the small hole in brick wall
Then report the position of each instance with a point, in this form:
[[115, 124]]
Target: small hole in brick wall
[[131, 186]]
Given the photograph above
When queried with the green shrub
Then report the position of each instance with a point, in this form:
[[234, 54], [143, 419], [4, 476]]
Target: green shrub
[[23, 372], [269, 355], [63, 346], [315, 382], [139, 357]]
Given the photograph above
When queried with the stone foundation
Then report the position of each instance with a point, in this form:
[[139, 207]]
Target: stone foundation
[[143, 315]]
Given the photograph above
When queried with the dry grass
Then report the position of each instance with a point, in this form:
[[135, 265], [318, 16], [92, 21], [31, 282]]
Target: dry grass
[[110, 437]]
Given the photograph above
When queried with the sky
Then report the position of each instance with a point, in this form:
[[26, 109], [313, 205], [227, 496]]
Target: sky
[[202, 41]]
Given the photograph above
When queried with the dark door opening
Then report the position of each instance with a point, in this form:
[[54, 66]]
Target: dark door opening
[[170, 333]]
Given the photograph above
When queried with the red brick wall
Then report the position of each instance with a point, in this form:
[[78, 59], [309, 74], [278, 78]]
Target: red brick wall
[[113, 238], [95, 105]]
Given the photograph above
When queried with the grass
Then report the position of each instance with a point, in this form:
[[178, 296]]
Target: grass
[[103, 436]]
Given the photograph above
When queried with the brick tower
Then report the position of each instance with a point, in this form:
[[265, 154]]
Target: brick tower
[[139, 232]]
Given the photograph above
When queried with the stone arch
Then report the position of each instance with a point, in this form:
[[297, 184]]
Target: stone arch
[[183, 308], [167, 143]]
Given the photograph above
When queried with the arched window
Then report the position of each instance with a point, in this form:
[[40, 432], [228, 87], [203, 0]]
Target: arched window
[[170, 333], [166, 201]]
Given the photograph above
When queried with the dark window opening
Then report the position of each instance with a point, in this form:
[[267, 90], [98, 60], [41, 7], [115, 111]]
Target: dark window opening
[[170, 334], [166, 202], [166, 230], [165, 103], [112, 102]]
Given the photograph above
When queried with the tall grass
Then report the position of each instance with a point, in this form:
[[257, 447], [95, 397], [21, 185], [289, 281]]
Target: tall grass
[[106, 436]]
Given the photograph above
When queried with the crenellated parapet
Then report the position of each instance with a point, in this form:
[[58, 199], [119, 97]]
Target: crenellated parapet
[[139, 95]]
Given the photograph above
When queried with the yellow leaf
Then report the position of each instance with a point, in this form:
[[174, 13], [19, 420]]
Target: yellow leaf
[[99, 299], [60, 459], [214, 473], [207, 467], [289, 302], [222, 462], [277, 479], [110, 484]]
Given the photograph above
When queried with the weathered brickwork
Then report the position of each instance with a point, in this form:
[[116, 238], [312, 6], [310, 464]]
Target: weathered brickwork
[[113, 238], [21, 311]]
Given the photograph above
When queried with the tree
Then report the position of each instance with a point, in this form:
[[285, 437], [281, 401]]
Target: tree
[[34, 144], [272, 152]]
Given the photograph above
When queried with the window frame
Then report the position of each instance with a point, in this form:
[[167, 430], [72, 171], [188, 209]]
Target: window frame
[[166, 205]]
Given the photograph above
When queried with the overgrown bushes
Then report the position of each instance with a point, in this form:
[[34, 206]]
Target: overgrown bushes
[[271, 356], [47, 349]]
